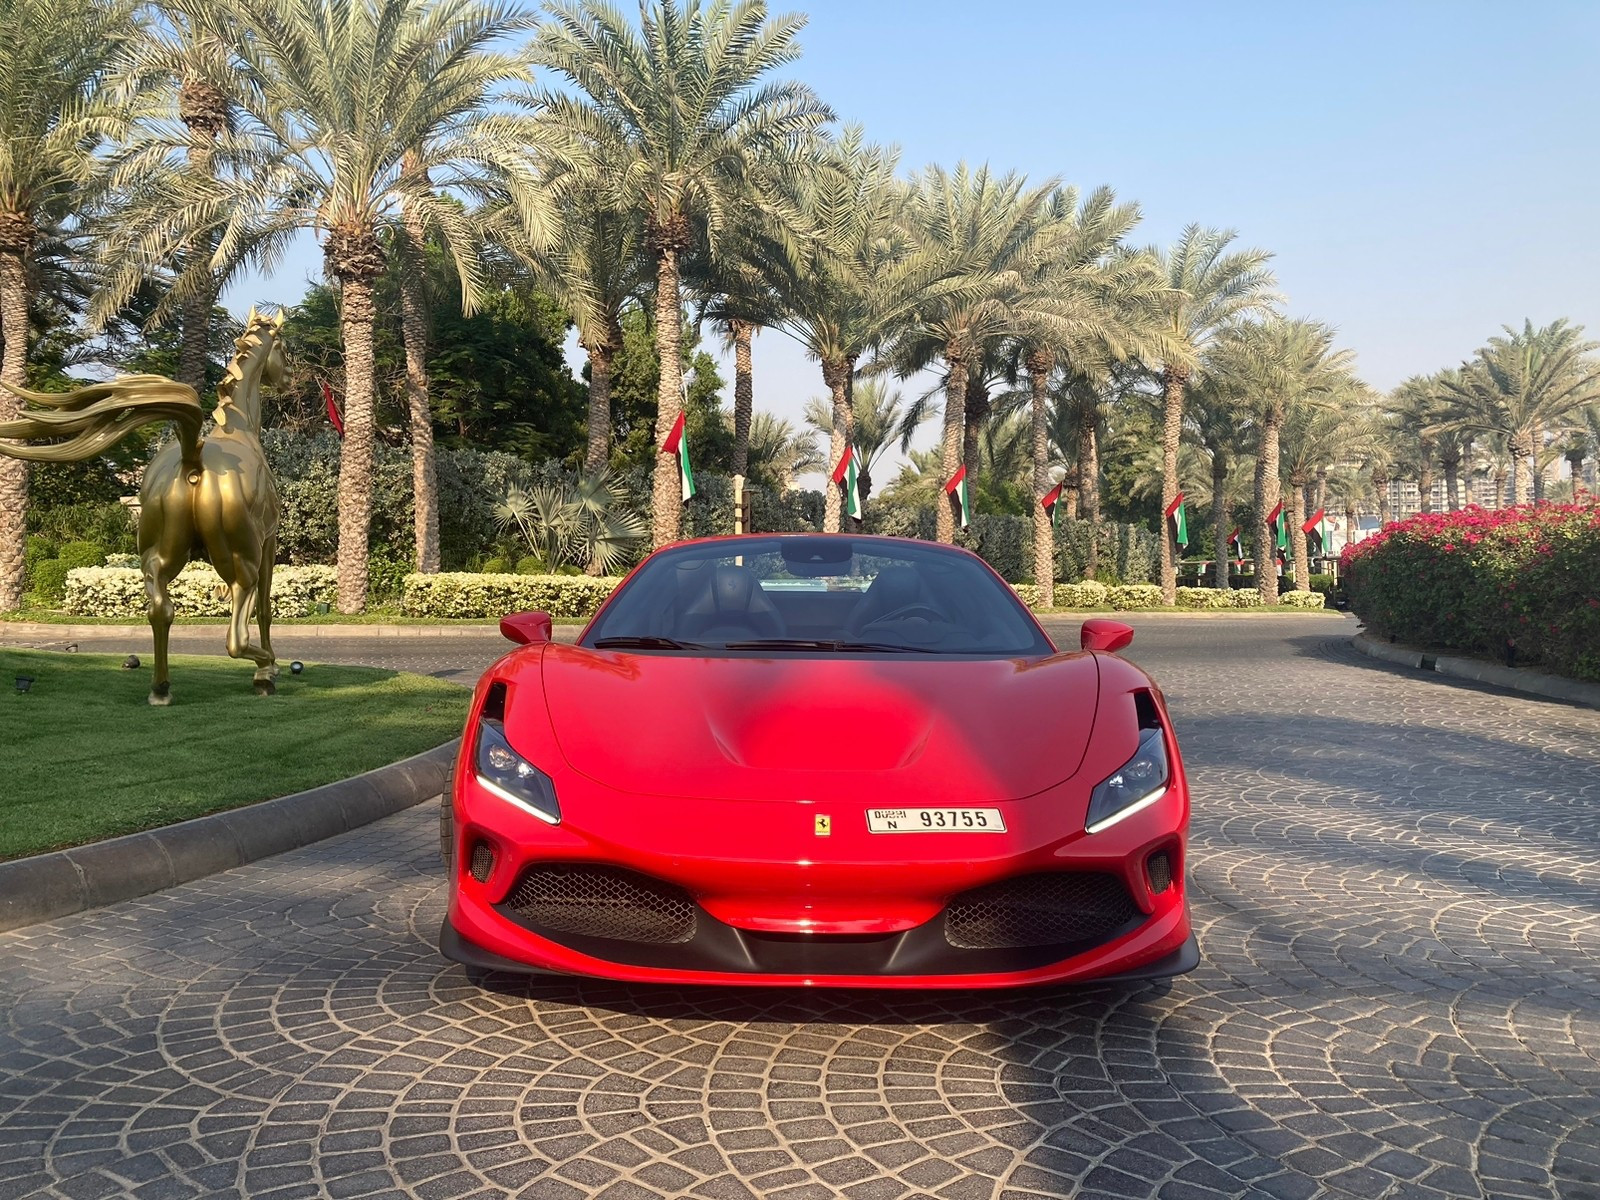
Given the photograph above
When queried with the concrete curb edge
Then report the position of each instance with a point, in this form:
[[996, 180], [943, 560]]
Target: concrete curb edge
[[58, 884], [1532, 683]]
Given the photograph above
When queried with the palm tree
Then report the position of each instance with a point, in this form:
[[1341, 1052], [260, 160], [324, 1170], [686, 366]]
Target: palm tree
[[1414, 410], [977, 233], [1350, 487], [1319, 432], [371, 116], [838, 290], [1209, 290], [1220, 426], [682, 96], [55, 112], [778, 452], [1522, 385], [1270, 366], [880, 420]]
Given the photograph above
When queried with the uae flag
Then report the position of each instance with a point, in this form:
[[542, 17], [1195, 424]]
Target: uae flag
[[1280, 528], [1180, 523], [957, 487], [1236, 547], [677, 443], [1318, 525], [1052, 504], [847, 476], [334, 418]]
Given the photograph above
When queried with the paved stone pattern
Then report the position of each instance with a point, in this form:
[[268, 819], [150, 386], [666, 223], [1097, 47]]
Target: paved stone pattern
[[1396, 881]]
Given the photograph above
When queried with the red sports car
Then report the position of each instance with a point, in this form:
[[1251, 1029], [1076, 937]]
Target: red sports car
[[818, 759]]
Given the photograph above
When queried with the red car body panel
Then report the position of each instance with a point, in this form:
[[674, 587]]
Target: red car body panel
[[710, 773]]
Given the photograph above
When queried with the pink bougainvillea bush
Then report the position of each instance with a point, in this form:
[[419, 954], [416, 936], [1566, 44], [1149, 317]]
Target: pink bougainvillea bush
[[1477, 579]]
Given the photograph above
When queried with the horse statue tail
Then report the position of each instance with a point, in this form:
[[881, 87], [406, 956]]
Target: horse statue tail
[[73, 426]]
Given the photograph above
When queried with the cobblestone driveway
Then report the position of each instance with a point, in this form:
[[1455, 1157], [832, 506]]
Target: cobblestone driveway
[[1397, 892]]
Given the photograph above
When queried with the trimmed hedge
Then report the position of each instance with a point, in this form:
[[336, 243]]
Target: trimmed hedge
[[462, 594], [1477, 579], [198, 591]]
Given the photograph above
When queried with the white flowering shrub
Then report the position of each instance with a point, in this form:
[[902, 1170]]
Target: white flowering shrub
[[198, 591], [1301, 600], [1088, 594], [1028, 593], [1246, 598], [1204, 597], [1135, 595], [122, 560], [464, 594]]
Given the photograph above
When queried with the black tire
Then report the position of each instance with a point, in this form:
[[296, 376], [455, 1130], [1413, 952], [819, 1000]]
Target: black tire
[[447, 831]]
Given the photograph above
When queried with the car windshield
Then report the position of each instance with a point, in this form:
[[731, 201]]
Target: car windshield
[[817, 594]]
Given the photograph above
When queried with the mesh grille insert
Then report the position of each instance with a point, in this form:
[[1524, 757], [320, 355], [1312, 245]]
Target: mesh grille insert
[[482, 861], [602, 902], [1160, 868], [1055, 909]]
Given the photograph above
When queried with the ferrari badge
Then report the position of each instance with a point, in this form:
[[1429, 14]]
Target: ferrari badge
[[824, 826]]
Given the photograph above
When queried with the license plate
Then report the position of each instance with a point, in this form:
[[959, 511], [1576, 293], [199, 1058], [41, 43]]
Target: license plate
[[935, 820]]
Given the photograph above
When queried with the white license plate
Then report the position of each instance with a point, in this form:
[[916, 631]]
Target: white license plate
[[935, 820]]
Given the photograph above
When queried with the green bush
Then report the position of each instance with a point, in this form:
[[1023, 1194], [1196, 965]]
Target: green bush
[[109, 525], [1245, 598], [1204, 597], [36, 550], [1135, 595], [1477, 579], [50, 579], [459, 594], [1090, 593], [495, 566], [530, 564], [386, 574], [82, 554], [1301, 600]]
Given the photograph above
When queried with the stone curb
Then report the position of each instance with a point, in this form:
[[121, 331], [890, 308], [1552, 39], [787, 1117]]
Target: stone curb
[[1516, 679], [47, 886]]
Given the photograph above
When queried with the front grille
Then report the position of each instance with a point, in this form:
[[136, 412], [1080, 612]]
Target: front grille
[[482, 861], [1055, 909], [602, 902]]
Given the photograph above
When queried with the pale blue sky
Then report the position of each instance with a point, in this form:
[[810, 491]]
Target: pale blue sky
[[1423, 172]]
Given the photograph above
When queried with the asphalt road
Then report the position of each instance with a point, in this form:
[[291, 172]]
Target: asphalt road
[[1396, 881]]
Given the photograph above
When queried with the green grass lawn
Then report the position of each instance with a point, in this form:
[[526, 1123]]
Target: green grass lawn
[[380, 616], [83, 757]]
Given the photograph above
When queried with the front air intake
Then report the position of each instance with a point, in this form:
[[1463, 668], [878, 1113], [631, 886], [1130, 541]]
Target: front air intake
[[1058, 908], [1159, 868], [482, 862], [602, 902]]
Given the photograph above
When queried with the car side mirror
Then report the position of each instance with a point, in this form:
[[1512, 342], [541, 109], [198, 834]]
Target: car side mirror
[[527, 628], [1101, 634]]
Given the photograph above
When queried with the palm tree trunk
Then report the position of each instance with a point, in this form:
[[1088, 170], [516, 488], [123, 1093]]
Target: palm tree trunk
[[1268, 492], [1174, 383], [1071, 488], [1452, 485], [1322, 489], [972, 435], [1521, 481], [1425, 477], [1380, 485], [355, 455], [955, 400], [667, 494], [1089, 489], [836, 376], [1219, 517], [414, 330], [13, 370], [600, 363], [743, 395], [203, 110], [1351, 517], [1298, 542], [1040, 363]]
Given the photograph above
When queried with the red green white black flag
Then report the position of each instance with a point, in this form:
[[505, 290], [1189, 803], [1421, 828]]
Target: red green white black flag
[[1279, 524], [1180, 524], [1318, 524], [677, 444], [1052, 504], [847, 476], [1236, 546], [957, 487]]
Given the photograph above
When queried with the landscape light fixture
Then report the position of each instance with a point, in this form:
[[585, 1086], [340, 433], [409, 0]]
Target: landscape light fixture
[[296, 667], [130, 663], [24, 682]]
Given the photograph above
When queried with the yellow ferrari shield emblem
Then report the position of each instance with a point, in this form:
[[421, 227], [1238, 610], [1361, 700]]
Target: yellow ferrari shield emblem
[[824, 826]]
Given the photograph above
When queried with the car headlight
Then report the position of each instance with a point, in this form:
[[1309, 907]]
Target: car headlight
[[1135, 785], [505, 773]]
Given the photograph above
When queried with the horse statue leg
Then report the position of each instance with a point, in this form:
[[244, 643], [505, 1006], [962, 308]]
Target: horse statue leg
[[243, 577], [165, 535], [269, 551]]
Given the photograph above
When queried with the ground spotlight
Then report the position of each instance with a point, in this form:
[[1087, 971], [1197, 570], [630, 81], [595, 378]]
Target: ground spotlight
[[24, 682], [130, 663], [296, 667]]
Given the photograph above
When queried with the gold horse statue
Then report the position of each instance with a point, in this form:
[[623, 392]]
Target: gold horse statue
[[213, 492]]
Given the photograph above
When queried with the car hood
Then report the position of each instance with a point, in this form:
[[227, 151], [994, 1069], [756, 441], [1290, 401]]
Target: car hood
[[792, 727]]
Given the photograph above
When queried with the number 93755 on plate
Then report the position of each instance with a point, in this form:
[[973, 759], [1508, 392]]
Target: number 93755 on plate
[[935, 820]]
